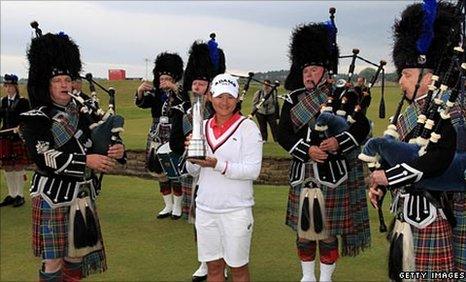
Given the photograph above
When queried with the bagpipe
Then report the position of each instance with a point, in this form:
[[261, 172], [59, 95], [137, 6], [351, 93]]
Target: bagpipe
[[105, 126], [343, 109], [345, 104]]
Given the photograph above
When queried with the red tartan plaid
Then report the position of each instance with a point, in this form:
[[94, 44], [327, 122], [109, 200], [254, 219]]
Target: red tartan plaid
[[186, 187], [459, 232], [337, 209], [36, 239], [433, 247], [292, 210], [49, 230], [15, 154]]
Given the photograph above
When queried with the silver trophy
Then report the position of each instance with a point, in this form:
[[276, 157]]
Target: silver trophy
[[196, 148]]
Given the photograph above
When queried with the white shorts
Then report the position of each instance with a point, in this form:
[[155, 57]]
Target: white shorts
[[224, 235]]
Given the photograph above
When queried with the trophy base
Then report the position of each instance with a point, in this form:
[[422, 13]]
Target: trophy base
[[196, 149]]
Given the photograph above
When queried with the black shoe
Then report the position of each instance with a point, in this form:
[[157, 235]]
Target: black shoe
[[163, 215], [176, 217], [199, 278], [19, 201], [9, 200]]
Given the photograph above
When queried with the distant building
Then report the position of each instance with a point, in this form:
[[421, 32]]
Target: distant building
[[116, 74]]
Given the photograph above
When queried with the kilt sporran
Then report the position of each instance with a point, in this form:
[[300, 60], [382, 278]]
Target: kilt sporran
[[312, 221], [83, 206]]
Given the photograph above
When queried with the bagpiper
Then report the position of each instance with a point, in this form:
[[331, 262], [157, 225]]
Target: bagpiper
[[160, 98], [428, 234], [322, 204], [66, 232]]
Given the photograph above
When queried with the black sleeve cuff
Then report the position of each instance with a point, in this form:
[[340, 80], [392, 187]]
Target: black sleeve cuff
[[402, 175], [346, 142], [138, 102], [145, 100], [300, 151]]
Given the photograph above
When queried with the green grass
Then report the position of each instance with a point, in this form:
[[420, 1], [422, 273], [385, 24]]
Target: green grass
[[138, 120], [141, 248]]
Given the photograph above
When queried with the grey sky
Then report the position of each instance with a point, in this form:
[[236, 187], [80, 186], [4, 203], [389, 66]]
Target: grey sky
[[254, 34]]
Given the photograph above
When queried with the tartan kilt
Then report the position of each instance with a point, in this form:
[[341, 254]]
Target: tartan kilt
[[459, 232], [345, 207], [14, 152], [186, 187], [433, 246], [50, 236]]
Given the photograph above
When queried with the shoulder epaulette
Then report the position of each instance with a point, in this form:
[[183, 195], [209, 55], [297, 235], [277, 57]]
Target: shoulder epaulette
[[40, 112]]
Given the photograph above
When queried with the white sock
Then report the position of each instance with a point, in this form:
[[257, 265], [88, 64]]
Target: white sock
[[20, 182], [10, 177], [177, 205], [168, 200], [326, 271], [308, 271]]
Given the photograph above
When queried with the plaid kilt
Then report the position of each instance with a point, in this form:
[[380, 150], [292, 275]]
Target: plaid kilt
[[14, 152], [345, 206], [186, 187], [433, 249], [459, 232], [50, 236]]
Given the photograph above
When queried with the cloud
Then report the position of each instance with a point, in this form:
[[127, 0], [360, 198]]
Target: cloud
[[254, 35]]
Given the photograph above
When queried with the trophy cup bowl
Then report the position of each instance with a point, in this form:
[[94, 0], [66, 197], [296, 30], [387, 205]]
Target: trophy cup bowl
[[196, 148]]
